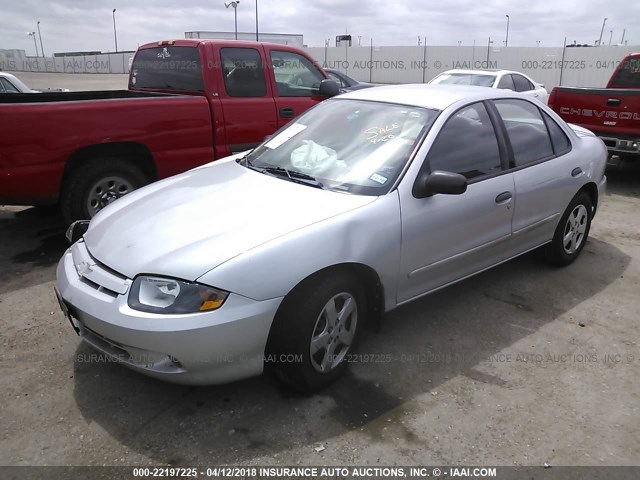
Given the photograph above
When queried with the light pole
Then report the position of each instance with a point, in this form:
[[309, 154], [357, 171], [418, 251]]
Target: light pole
[[488, 50], [257, 38], [234, 4], [115, 33], [610, 36], [602, 31], [506, 40], [40, 35], [35, 44]]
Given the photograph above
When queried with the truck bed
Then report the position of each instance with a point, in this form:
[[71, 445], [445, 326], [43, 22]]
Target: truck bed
[[611, 113], [50, 97]]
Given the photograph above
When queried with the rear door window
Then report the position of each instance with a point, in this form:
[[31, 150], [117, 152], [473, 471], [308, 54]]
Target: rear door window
[[521, 83], [526, 130], [506, 83], [561, 143], [167, 68], [629, 74], [243, 73]]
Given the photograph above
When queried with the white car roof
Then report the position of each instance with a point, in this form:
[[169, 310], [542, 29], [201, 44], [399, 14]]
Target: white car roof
[[479, 72], [438, 97]]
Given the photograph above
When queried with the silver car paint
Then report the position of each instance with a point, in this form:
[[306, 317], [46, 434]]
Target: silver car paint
[[212, 215], [414, 245]]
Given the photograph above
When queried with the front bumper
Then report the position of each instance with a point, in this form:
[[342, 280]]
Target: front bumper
[[199, 349]]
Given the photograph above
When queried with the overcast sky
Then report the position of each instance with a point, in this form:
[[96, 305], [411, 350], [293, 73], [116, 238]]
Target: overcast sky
[[72, 25]]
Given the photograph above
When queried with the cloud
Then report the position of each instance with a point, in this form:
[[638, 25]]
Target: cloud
[[69, 25]]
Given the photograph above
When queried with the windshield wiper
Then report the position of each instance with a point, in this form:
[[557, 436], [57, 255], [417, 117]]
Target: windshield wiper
[[292, 175], [245, 159]]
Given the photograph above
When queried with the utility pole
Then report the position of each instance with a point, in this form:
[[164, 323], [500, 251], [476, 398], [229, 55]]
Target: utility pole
[[115, 34], [506, 41], [40, 35], [602, 31], [35, 44]]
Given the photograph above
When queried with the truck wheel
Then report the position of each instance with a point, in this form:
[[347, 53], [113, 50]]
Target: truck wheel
[[572, 231], [315, 330], [93, 186]]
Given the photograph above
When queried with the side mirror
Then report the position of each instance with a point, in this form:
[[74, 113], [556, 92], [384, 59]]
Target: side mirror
[[76, 230], [439, 181], [328, 88]]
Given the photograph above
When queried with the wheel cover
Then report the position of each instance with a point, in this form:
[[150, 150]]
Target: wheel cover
[[333, 332], [575, 229], [105, 191]]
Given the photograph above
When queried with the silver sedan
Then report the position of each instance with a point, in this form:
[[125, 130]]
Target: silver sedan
[[277, 258]]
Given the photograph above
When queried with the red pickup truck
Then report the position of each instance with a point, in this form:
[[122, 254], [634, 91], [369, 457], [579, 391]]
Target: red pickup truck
[[189, 102], [612, 113]]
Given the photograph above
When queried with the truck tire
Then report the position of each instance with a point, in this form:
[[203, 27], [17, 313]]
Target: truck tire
[[97, 183]]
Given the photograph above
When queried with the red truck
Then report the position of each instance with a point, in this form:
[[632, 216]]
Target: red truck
[[189, 102], [612, 113]]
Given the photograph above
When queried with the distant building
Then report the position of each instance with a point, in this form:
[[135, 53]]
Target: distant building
[[282, 38]]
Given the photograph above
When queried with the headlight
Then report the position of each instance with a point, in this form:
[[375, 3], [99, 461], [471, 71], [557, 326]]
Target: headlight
[[166, 295]]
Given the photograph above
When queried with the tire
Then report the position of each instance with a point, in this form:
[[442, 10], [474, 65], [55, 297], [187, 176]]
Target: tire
[[572, 231], [97, 183], [304, 325]]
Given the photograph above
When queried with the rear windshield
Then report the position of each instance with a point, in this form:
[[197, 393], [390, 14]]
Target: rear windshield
[[464, 79], [169, 68], [629, 74]]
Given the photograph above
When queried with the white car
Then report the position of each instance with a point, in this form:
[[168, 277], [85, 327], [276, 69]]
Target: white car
[[12, 84], [504, 79]]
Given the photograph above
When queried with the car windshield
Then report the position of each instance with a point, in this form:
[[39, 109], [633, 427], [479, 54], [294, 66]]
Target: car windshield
[[479, 80], [347, 145]]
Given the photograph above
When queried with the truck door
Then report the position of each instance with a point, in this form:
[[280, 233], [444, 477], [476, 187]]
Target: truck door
[[297, 80], [246, 97]]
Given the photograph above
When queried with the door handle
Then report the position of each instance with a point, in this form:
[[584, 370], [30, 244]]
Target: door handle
[[613, 102], [576, 172], [286, 112], [504, 197]]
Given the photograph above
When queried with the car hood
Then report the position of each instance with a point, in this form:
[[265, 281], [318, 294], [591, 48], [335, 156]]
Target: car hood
[[188, 224]]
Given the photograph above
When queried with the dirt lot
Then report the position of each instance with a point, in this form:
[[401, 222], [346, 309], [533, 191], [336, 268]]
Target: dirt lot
[[522, 365]]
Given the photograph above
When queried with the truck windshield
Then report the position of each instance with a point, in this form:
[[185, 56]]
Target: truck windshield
[[353, 146], [628, 75], [168, 68]]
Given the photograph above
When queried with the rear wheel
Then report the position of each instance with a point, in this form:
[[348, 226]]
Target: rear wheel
[[314, 331], [93, 186], [572, 232]]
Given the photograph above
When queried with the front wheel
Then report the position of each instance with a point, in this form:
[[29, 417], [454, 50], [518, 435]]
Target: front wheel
[[315, 330], [572, 232]]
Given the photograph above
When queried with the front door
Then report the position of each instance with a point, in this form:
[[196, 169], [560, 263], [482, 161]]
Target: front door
[[448, 237], [297, 81]]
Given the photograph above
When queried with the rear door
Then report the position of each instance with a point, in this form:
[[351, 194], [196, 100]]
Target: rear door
[[296, 81], [246, 97], [545, 172]]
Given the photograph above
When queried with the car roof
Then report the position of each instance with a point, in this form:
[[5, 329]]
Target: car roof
[[194, 42], [487, 71], [436, 97]]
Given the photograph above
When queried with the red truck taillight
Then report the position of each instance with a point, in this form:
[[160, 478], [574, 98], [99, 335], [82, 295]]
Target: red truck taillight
[[552, 97]]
